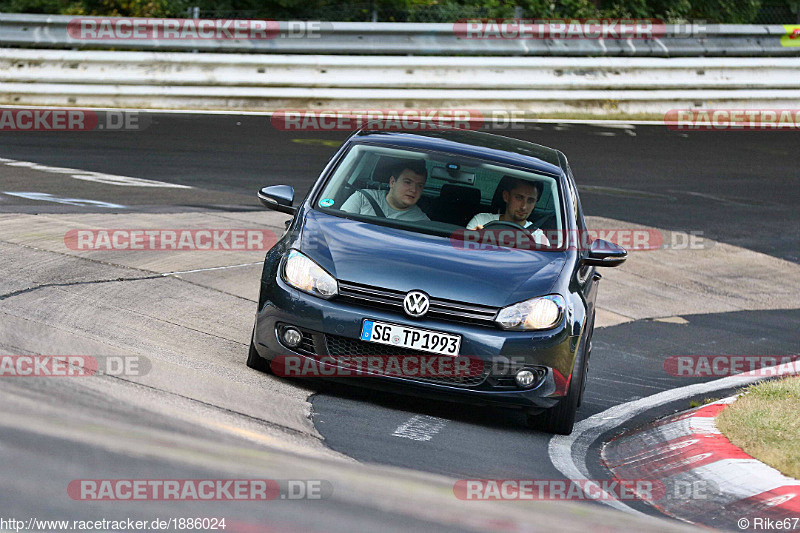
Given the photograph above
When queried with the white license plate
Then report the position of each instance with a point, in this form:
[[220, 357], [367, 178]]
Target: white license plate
[[414, 338]]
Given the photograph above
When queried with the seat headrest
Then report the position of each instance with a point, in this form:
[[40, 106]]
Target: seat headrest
[[387, 165], [459, 194]]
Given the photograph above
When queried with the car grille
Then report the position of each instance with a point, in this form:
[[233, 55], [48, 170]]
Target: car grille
[[345, 346], [365, 295]]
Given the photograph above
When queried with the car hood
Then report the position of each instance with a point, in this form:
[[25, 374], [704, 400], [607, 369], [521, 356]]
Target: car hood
[[402, 260]]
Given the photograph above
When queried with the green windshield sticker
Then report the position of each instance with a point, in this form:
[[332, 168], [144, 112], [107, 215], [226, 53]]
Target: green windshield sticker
[[326, 202]]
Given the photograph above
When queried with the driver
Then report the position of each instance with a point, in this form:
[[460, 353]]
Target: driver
[[520, 198]]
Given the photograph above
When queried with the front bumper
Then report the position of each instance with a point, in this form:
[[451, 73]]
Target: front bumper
[[327, 321]]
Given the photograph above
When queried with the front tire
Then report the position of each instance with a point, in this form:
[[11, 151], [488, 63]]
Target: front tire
[[561, 419], [587, 361], [254, 360]]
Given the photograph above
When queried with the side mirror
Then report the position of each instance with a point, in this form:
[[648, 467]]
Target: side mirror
[[604, 253], [278, 198]]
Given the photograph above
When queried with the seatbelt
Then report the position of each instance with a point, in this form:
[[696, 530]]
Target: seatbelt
[[373, 203]]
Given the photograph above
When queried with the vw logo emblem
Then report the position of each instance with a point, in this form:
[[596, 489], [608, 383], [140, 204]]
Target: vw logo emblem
[[416, 303]]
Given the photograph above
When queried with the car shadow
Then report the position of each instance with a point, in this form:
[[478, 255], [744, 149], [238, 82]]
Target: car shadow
[[488, 417]]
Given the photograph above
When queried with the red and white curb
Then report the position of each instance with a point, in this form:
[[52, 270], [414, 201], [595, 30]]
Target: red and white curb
[[706, 479]]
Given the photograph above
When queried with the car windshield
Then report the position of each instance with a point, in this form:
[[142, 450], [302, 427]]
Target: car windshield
[[443, 194]]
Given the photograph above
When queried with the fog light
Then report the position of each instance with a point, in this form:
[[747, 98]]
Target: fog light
[[292, 337], [525, 379]]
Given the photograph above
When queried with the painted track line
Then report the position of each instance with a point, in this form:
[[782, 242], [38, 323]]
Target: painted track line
[[177, 272], [420, 428], [89, 175]]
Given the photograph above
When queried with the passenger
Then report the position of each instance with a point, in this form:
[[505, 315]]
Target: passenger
[[520, 198], [405, 190]]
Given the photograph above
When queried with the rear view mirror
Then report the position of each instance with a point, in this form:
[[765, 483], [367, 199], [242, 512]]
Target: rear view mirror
[[604, 253], [278, 198], [453, 175]]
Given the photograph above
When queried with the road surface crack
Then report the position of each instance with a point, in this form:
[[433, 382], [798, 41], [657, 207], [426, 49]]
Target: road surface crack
[[72, 283], [150, 274]]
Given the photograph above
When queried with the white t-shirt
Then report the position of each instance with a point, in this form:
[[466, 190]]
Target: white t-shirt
[[360, 205], [481, 219]]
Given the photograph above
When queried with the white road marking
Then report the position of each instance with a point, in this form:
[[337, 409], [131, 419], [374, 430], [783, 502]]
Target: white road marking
[[98, 177], [625, 126], [617, 191], [211, 268], [126, 181], [420, 427], [44, 197], [743, 478], [672, 320], [564, 450], [704, 425], [716, 198]]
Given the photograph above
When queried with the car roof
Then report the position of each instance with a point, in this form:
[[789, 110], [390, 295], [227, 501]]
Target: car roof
[[472, 144]]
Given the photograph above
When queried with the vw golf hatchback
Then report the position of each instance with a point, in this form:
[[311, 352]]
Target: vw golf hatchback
[[448, 264]]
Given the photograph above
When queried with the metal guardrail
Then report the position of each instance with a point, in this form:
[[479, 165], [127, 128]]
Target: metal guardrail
[[356, 38], [399, 65], [525, 86], [395, 72]]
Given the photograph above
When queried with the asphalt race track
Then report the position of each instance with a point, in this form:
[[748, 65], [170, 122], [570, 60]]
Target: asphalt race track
[[738, 187], [738, 190]]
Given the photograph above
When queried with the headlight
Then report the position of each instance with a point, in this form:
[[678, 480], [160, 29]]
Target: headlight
[[536, 313], [304, 274]]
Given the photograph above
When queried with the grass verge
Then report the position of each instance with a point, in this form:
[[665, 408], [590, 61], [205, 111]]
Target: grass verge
[[765, 424]]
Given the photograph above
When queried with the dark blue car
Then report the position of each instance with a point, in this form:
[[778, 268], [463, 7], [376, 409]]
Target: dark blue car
[[448, 264]]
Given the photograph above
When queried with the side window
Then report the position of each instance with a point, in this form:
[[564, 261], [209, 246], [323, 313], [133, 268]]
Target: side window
[[364, 167]]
